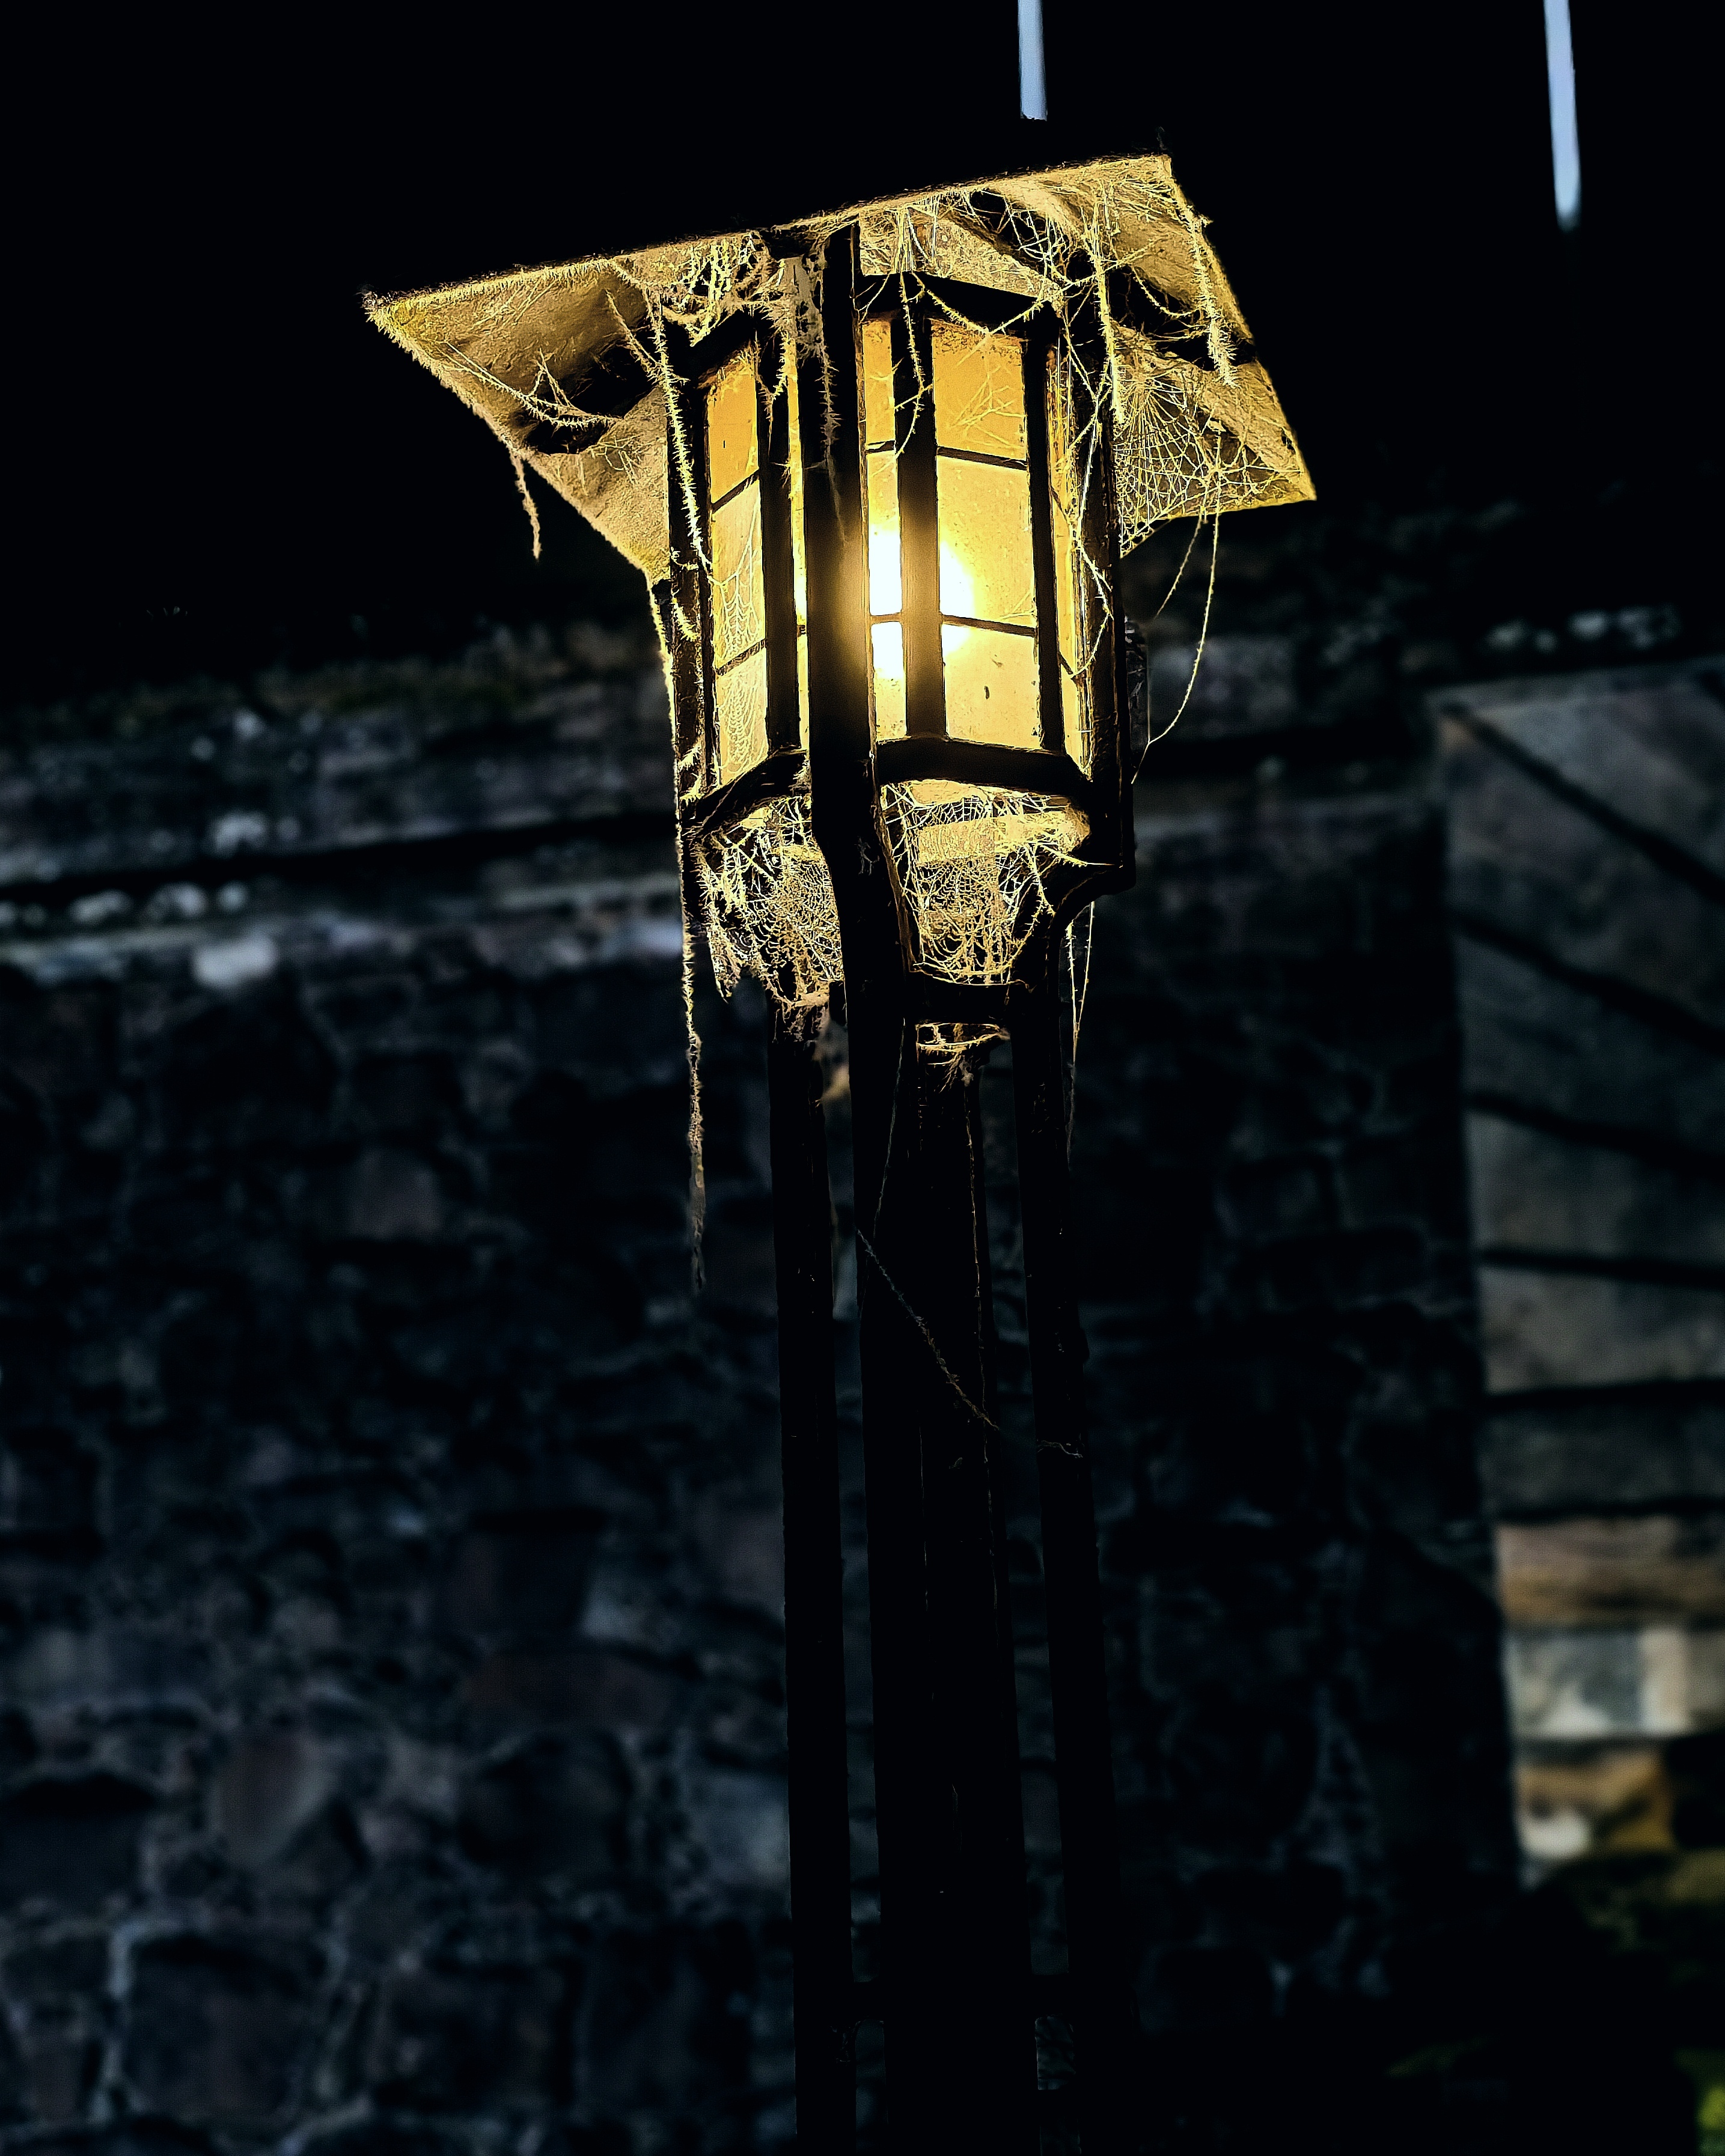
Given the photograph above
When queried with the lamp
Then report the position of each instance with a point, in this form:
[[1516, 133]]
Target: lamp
[[878, 468]]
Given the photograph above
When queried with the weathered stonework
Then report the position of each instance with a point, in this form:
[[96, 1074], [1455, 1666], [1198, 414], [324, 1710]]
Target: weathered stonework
[[390, 1585]]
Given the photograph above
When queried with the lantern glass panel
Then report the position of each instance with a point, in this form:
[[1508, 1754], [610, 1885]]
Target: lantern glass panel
[[886, 559], [739, 603], [978, 392], [988, 572], [889, 643], [1062, 488], [739, 598], [740, 693], [878, 401], [885, 584], [732, 453], [991, 686], [799, 563]]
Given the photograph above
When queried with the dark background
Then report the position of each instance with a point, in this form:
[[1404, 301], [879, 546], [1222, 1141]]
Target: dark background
[[216, 464], [391, 1744]]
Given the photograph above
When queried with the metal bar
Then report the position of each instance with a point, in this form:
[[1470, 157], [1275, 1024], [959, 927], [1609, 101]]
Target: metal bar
[[1111, 823], [982, 621], [847, 832], [976, 1701], [814, 1599], [684, 624], [1047, 635], [943, 454], [1105, 2019], [958, 1965], [777, 773], [779, 588], [986, 763], [919, 525], [689, 548]]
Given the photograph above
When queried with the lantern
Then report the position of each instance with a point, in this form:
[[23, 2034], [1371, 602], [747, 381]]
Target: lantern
[[878, 468]]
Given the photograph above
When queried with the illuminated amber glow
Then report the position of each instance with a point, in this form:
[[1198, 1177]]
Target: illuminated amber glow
[[987, 564], [886, 571], [987, 570], [979, 393], [739, 647], [730, 444], [1062, 492]]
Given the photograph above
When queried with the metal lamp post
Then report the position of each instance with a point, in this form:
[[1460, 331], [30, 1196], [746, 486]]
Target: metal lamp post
[[878, 469]]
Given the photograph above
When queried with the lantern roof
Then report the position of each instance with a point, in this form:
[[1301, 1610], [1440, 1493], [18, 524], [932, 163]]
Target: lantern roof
[[569, 363]]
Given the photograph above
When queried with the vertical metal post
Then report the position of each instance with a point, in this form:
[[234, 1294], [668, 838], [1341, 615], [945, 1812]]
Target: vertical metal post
[[960, 2063], [814, 1599], [974, 1990], [1105, 2023]]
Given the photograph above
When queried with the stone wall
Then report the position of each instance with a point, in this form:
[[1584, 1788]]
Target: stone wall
[[1587, 879], [389, 1587]]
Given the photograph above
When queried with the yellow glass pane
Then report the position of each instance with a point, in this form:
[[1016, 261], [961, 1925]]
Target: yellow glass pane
[[991, 686], [978, 392], [1068, 568], [731, 444], [988, 571], [739, 603], [885, 586], [800, 564], [1060, 492], [889, 681], [877, 384], [803, 686], [741, 693]]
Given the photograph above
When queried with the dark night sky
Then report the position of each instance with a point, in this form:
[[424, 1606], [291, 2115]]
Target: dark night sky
[[217, 463]]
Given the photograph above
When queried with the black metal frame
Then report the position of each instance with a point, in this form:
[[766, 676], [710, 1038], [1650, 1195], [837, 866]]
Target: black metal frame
[[956, 1994]]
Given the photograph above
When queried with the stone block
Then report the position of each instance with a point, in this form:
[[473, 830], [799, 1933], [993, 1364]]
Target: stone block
[[60, 2067], [71, 1839], [219, 2027], [1533, 1191], [1534, 866], [520, 1572], [1646, 1569], [1579, 1454], [1592, 1684], [310, 781], [742, 1550], [70, 1967], [60, 1046], [658, 2031], [554, 1806], [1598, 1798], [127, 2136], [589, 1685], [739, 1824], [1543, 1329], [384, 2135], [47, 1491], [460, 2039], [1646, 740], [387, 1195], [271, 1789], [1556, 1050]]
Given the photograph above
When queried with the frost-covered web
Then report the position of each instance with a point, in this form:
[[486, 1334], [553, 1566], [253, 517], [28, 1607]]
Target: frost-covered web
[[971, 863], [767, 901]]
